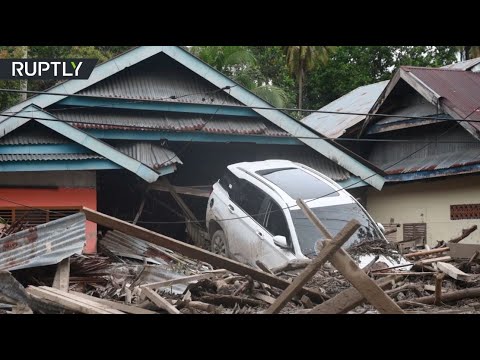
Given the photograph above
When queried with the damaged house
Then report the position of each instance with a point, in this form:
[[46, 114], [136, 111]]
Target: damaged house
[[150, 114], [432, 160]]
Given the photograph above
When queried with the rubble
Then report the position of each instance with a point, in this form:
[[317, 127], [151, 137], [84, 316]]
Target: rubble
[[138, 276]]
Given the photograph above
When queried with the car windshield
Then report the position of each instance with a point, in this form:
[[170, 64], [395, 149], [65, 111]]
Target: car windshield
[[298, 184], [334, 218]]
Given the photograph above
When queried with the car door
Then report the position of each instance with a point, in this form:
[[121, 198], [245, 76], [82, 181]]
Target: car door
[[273, 223]]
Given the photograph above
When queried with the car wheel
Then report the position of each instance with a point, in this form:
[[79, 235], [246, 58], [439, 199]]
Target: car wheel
[[219, 243]]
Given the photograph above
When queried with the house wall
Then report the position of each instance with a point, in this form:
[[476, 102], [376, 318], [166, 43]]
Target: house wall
[[429, 202], [60, 189]]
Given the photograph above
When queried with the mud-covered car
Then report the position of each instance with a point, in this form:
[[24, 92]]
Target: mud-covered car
[[252, 213]]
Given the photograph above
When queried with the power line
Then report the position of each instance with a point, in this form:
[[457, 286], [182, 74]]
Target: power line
[[137, 127], [128, 100]]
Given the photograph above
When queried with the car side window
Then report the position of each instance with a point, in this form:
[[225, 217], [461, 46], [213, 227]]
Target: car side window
[[231, 184], [250, 199], [275, 221]]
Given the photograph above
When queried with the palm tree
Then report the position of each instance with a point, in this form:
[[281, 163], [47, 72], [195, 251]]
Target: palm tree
[[238, 62], [301, 59]]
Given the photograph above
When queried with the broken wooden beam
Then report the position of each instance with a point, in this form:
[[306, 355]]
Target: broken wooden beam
[[433, 260], [447, 297], [465, 233], [61, 280], [438, 288], [129, 309], [426, 252], [229, 300], [161, 302], [185, 279], [193, 251], [328, 247], [71, 301], [349, 299], [453, 272]]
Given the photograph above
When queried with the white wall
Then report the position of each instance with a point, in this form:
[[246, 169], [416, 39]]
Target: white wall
[[427, 201]]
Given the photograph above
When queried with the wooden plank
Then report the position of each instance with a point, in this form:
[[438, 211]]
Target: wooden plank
[[462, 251], [193, 252], [140, 208], [186, 210], [66, 303], [405, 273], [75, 297], [184, 190], [349, 299], [327, 249], [425, 253], [453, 272], [363, 283], [160, 301], [268, 299], [129, 309], [447, 297], [313, 218], [185, 279], [434, 260], [61, 280]]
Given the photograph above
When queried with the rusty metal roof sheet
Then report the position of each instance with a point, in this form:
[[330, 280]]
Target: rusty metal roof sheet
[[463, 65], [459, 160], [459, 90], [160, 78], [44, 244], [47, 157], [149, 153], [359, 100], [107, 119]]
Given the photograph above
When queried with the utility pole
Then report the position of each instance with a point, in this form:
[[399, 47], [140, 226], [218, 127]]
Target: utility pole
[[24, 83]]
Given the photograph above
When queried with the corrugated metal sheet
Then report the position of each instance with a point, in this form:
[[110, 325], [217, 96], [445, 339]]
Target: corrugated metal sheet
[[460, 90], [359, 100], [149, 153], [307, 157], [160, 78], [435, 162], [44, 244], [463, 65], [33, 138], [47, 157], [155, 121], [129, 246]]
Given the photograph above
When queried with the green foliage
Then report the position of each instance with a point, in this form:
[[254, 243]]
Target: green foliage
[[354, 66]]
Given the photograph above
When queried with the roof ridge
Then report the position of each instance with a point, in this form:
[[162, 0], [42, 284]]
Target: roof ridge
[[435, 68]]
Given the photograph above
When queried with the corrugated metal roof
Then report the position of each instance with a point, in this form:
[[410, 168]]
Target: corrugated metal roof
[[359, 100], [149, 153], [459, 90], [435, 162], [155, 121], [307, 157], [44, 244], [47, 157], [129, 246], [31, 137], [160, 78], [463, 65]]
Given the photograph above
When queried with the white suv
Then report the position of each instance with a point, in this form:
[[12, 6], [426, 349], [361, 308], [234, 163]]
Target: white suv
[[252, 213]]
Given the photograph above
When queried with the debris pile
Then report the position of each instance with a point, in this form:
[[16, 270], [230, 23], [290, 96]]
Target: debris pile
[[137, 271]]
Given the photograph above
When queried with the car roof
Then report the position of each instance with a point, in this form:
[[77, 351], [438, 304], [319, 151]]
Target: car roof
[[255, 166]]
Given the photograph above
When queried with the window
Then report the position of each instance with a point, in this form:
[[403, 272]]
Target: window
[[230, 183], [415, 232], [32, 217], [250, 199], [275, 221], [465, 211], [298, 184]]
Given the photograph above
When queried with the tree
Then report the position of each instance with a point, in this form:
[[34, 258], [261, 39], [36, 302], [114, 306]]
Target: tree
[[353, 66], [301, 59], [240, 64], [468, 52]]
